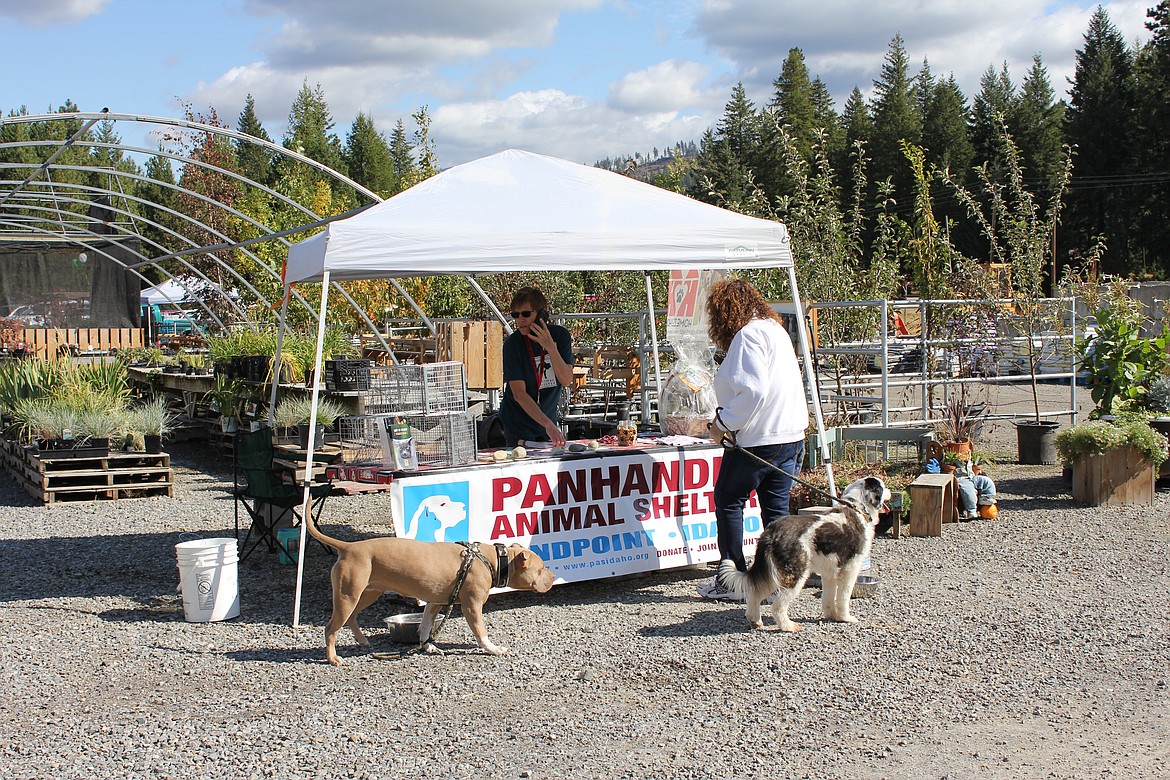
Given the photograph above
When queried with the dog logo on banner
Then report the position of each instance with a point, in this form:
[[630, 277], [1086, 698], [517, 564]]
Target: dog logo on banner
[[437, 512]]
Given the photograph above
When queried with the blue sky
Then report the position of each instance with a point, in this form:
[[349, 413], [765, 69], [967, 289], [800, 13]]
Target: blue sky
[[579, 79]]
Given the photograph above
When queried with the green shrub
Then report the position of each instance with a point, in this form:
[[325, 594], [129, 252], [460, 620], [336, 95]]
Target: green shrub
[[1098, 437]]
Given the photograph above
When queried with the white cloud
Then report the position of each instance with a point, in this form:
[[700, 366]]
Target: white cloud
[[50, 13], [667, 86], [553, 122], [316, 34]]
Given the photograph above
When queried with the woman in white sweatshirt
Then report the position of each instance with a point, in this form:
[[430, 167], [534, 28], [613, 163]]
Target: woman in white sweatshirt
[[762, 402]]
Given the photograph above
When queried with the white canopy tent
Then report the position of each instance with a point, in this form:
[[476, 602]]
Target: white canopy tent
[[169, 292], [519, 211]]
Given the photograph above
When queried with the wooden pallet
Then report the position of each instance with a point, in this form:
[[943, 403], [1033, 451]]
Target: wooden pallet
[[113, 476]]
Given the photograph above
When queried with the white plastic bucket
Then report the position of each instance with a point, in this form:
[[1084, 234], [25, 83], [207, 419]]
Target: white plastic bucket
[[208, 579]]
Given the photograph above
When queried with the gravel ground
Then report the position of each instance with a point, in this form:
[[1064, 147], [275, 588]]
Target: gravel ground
[[1034, 645]]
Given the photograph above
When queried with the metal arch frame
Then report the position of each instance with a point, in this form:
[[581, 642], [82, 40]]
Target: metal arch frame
[[170, 156], [93, 118]]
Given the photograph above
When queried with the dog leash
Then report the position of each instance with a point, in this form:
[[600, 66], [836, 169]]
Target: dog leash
[[470, 553], [728, 442]]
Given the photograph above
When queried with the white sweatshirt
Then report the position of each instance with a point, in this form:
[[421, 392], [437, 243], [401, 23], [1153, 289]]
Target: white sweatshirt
[[760, 388]]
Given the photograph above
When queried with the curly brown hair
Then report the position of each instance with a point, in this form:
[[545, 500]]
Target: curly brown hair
[[731, 304], [531, 296]]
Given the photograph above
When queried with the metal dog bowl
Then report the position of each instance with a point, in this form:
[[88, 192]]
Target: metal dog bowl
[[404, 627], [866, 585]]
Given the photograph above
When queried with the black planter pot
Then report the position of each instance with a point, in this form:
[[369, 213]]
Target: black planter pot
[[1036, 442], [303, 434], [152, 443]]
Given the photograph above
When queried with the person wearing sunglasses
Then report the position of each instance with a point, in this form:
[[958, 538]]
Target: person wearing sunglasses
[[538, 364]]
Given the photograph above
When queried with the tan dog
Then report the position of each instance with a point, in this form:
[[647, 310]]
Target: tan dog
[[422, 570]]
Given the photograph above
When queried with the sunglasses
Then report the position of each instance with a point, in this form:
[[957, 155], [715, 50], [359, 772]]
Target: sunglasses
[[525, 314]]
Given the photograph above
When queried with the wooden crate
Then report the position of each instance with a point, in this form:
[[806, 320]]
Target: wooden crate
[[932, 503], [479, 345], [113, 476], [1121, 476]]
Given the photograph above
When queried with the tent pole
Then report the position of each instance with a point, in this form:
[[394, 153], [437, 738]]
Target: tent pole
[[810, 377], [491, 304], [413, 304], [276, 368], [307, 500], [370, 323], [654, 341]]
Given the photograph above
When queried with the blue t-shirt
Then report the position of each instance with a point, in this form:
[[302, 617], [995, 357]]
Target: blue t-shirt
[[521, 361]]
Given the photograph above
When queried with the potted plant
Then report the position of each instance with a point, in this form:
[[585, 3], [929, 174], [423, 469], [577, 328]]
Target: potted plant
[[152, 420], [296, 410], [951, 461], [1113, 462], [224, 396], [1158, 405], [47, 423], [96, 427], [955, 429]]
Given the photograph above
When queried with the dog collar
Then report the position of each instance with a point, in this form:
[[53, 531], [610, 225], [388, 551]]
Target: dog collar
[[503, 567]]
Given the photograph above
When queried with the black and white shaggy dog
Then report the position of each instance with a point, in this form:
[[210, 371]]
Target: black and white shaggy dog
[[833, 544]]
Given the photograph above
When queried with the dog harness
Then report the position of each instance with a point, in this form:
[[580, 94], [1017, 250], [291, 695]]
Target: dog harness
[[499, 573]]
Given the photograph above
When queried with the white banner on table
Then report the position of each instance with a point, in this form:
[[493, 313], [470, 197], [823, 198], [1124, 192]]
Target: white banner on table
[[587, 518]]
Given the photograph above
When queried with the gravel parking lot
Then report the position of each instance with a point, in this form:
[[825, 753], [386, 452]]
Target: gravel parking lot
[[1034, 645]]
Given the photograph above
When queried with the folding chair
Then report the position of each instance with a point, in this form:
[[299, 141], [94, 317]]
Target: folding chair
[[267, 499]]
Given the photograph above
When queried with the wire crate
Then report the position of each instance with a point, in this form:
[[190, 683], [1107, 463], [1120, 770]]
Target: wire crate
[[427, 388], [361, 438], [447, 439], [444, 439]]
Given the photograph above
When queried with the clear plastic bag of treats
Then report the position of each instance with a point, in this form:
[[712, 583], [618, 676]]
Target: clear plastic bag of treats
[[688, 404]]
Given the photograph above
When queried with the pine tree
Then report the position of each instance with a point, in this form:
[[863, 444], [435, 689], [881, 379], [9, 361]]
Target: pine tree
[[857, 127], [254, 161], [1037, 124], [1100, 127], [827, 118], [401, 158], [1152, 138], [895, 120], [727, 155], [994, 103], [367, 156], [946, 128], [310, 128], [793, 105]]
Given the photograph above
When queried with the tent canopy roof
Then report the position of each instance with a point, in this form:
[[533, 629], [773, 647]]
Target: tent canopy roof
[[519, 211], [170, 291]]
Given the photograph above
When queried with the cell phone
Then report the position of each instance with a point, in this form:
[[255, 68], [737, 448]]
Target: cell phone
[[542, 317]]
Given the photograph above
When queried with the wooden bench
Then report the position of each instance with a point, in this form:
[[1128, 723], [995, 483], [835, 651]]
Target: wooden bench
[[933, 501]]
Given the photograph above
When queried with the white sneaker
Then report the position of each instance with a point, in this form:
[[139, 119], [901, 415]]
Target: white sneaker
[[715, 589]]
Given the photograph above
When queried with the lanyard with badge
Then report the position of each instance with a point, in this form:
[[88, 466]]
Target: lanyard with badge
[[539, 364]]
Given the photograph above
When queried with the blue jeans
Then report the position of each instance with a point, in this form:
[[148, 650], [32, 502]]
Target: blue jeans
[[739, 475]]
